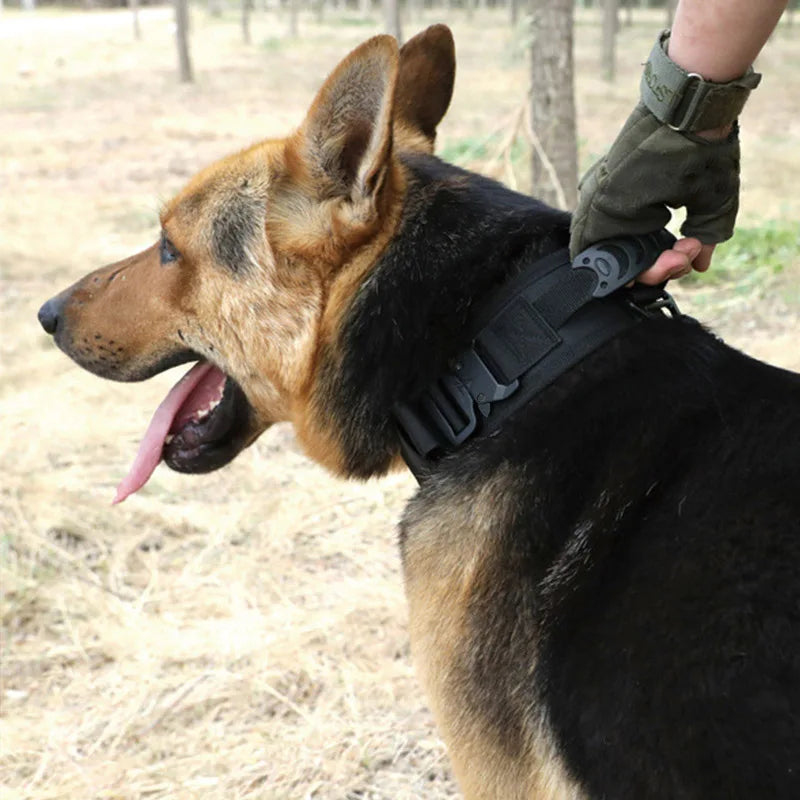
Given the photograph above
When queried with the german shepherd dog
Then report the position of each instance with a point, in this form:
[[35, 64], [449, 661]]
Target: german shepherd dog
[[605, 593]]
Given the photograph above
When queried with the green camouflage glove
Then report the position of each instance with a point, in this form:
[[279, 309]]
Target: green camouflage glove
[[651, 167], [659, 161]]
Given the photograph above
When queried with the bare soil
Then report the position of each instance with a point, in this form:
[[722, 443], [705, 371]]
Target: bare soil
[[241, 634]]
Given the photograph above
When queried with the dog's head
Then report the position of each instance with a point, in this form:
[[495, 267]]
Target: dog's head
[[257, 259]]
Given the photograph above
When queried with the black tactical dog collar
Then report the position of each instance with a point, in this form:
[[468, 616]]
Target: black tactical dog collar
[[532, 330]]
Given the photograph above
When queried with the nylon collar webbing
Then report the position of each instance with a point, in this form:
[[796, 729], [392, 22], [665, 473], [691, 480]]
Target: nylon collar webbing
[[530, 331]]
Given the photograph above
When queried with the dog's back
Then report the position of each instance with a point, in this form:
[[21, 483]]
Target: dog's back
[[621, 558]]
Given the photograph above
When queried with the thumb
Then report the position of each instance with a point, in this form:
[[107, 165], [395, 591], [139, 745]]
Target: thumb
[[703, 261]]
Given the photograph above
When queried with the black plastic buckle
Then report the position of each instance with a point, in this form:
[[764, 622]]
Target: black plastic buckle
[[480, 382], [451, 408], [450, 402], [616, 262], [446, 414], [443, 416]]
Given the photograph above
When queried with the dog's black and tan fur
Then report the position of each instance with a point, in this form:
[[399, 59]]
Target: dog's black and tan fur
[[604, 595]]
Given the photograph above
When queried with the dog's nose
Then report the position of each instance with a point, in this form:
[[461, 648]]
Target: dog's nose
[[50, 314]]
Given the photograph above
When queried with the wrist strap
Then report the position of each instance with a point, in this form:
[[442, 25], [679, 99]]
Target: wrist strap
[[684, 100]]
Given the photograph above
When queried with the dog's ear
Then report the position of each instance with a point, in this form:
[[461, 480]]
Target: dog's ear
[[347, 134], [425, 81]]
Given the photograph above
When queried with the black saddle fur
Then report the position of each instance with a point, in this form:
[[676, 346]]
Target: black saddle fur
[[655, 559]]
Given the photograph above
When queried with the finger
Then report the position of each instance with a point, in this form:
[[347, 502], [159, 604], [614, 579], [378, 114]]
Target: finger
[[673, 263], [703, 261], [690, 246], [669, 264]]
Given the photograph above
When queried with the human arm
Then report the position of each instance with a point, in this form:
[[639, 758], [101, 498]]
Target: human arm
[[718, 40]]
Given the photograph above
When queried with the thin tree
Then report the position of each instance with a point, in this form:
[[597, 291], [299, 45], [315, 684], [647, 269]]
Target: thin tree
[[294, 18], [552, 117], [670, 6], [391, 10], [247, 5], [610, 26], [182, 40], [134, 6]]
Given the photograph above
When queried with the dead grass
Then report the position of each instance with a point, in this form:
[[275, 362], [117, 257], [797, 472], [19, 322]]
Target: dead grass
[[242, 634]]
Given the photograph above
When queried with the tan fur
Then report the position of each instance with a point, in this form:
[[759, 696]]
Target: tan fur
[[311, 427], [448, 559], [105, 338]]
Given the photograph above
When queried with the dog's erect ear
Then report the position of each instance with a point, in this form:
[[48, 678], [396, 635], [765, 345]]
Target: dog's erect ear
[[425, 81], [347, 133]]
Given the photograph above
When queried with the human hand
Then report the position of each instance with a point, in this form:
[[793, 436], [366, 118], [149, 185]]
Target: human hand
[[685, 255], [649, 168]]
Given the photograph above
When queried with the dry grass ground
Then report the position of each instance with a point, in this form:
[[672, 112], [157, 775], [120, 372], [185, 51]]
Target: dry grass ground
[[242, 634]]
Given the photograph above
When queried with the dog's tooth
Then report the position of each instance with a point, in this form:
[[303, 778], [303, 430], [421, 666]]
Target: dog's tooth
[[200, 414]]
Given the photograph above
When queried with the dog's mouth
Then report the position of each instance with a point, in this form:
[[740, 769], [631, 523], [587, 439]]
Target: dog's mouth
[[200, 426]]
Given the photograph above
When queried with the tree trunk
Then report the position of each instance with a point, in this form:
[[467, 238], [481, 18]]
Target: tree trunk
[[670, 6], [610, 24], [364, 7], [246, 21], [513, 9], [215, 8], [555, 156], [182, 40], [391, 10], [137, 31], [294, 18]]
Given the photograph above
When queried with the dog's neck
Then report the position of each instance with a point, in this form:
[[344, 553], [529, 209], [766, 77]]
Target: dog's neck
[[460, 236]]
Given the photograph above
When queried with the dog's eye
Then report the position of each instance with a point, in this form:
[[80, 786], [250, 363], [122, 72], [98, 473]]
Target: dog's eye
[[167, 250]]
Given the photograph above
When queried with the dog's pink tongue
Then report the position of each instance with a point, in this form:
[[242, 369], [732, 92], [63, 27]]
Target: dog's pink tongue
[[149, 454]]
